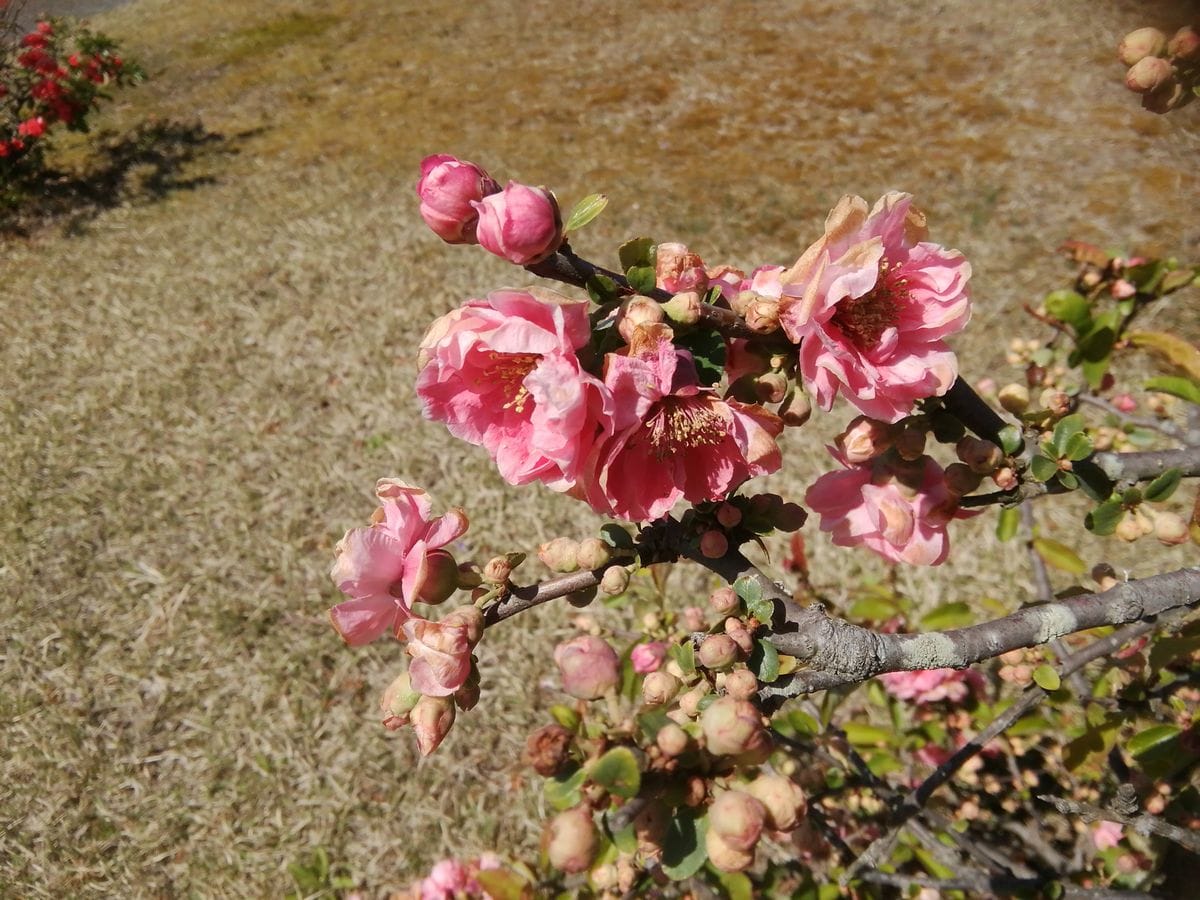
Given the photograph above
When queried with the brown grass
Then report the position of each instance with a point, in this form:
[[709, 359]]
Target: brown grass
[[200, 389]]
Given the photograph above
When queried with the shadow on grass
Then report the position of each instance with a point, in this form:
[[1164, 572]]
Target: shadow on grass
[[143, 165]]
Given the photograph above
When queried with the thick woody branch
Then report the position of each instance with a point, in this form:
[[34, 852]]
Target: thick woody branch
[[968, 407]]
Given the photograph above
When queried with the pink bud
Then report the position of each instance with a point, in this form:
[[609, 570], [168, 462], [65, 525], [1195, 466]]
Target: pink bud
[[1170, 529], [1139, 44], [910, 442], [724, 600], [592, 554], [471, 618], [614, 581], [521, 224], [980, 456], [659, 688], [736, 629], [1149, 74], [960, 479], [729, 515], [771, 387], [560, 554], [638, 312], [588, 665], [693, 618], [724, 856], [718, 651], [1125, 403], [432, 719], [678, 269], [397, 702], [864, 439], [714, 544], [738, 818], [672, 740], [790, 517], [441, 578], [783, 799], [1122, 289], [497, 569], [732, 727], [683, 308], [1185, 45], [741, 684], [570, 840], [647, 658], [762, 315], [447, 188]]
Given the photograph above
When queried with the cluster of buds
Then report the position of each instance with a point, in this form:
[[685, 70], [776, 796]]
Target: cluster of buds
[[732, 522], [1165, 72], [463, 204]]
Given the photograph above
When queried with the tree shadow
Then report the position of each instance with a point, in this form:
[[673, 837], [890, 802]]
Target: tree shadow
[[143, 165]]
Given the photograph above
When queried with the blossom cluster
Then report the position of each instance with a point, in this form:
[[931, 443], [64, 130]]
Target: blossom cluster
[[1164, 71]]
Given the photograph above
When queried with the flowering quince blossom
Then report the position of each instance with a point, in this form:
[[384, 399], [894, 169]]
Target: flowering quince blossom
[[932, 685], [1106, 835], [869, 304], [503, 374], [520, 223], [441, 653], [903, 519], [672, 438], [384, 567], [448, 187], [648, 657]]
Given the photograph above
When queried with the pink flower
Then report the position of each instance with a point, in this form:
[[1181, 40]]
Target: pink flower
[[1106, 835], [588, 665], [672, 438], [932, 685], [899, 510], [869, 305], [385, 567], [448, 187], [677, 269], [520, 223], [1122, 289], [647, 658], [32, 127], [445, 880], [1125, 403], [441, 654], [503, 374]]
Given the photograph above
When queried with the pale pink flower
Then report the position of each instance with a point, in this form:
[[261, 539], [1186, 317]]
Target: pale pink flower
[[447, 188], [869, 304], [673, 439], [648, 657], [678, 269], [1122, 289], [445, 880], [588, 665], [441, 655], [1106, 835], [503, 374], [898, 510], [384, 568], [1125, 403], [520, 223], [932, 685]]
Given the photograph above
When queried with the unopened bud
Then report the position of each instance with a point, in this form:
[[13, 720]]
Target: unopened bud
[[724, 600], [548, 750], [570, 840], [738, 818], [741, 684], [683, 308], [729, 515], [714, 544], [499, 568], [659, 688], [397, 702], [441, 577], [560, 554], [693, 618], [725, 857], [1055, 401], [593, 553], [672, 740], [783, 799], [910, 442], [743, 301], [771, 387], [1170, 529], [1014, 398], [471, 618], [960, 479], [979, 455], [736, 629], [1185, 45], [1128, 529], [604, 877], [864, 439], [588, 665], [637, 312], [796, 408], [432, 718], [762, 316], [718, 651], [732, 727], [1005, 478], [1149, 74], [1139, 44], [689, 703], [467, 697], [614, 581]]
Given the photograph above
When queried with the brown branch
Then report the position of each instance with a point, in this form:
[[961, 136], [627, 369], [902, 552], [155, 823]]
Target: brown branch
[[968, 407], [519, 599], [1144, 824], [1169, 428]]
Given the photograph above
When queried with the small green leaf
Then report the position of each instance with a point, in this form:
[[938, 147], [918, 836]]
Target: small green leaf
[[1067, 428], [1070, 307], [617, 772], [875, 609], [802, 724], [641, 279], [867, 735], [602, 289], [1079, 446], [1162, 487], [1093, 351], [685, 655], [1007, 522], [764, 661], [1046, 678], [1035, 724], [1068, 480], [585, 210], [1043, 468], [616, 536], [625, 840], [683, 847], [565, 716], [563, 791], [1183, 388], [1094, 482], [1144, 741], [948, 615], [638, 252], [503, 884], [751, 593], [1011, 439], [1179, 278], [1104, 519], [737, 885]]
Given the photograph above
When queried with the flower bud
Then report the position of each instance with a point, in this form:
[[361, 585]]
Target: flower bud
[[960, 479], [718, 651], [614, 581], [520, 223], [762, 316], [693, 618], [678, 269], [432, 719], [593, 553], [714, 544], [1005, 478], [736, 629], [1128, 529], [732, 727], [1055, 401], [440, 578], [467, 696], [724, 600], [1170, 529], [1014, 398], [497, 570], [588, 665], [689, 703], [471, 617], [447, 188], [672, 740], [790, 517], [910, 442], [683, 308], [397, 702], [659, 688], [725, 857], [738, 818], [1139, 44], [1149, 74], [570, 840], [636, 312], [648, 657], [729, 515], [741, 684], [603, 877], [548, 750], [783, 799], [742, 301], [1185, 45], [979, 455], [560, 554], [864, 439], [771, 387], [796, 408]]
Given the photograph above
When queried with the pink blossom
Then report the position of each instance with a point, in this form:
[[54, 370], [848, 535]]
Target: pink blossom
[[899, 510], [588, 665], [441, 654], [447, 188], [503, 374], [445, 880], [673, 439], [1106, 835], [520, 223], [1122, 289], [869, 304], [384, 567], [678, 269], [648, 657], [932, 685], [1125, 403], [33, 128]]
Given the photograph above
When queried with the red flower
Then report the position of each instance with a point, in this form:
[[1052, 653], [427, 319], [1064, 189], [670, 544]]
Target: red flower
[[33, 128]]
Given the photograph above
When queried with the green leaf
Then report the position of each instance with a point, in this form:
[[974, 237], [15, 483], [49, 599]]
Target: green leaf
[[565, 716], [751, 593], [1011, 439], [1007, 522], [1068, 480], [683, 847], [642, 279], [1183, 388], [616, 536], [882, 764], [1094, 349], [503, 884], [602, 289], [867, 735], [685, 655], [1178, 352], [1079, 446], [1147, 740], [801, 723], [1046, 678], [875, 609], [1104, 519], [764, 661], [948, 615], [1043, 468], [1067, 428], [1094, 482], [1162, 487], [638, 252], [708, 352], [1070, 307], [1060, 556], [1179, 278], [617, 772], [563, 791], [737, 885], [1146, 276], [1035, 724], [585, 210], [625, 840]]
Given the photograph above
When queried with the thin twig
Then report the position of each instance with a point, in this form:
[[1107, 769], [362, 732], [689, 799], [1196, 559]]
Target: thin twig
[[1144, 824], [1169, 428]]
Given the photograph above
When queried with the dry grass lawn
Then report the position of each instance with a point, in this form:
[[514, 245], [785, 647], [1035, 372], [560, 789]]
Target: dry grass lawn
[[202, 383]]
